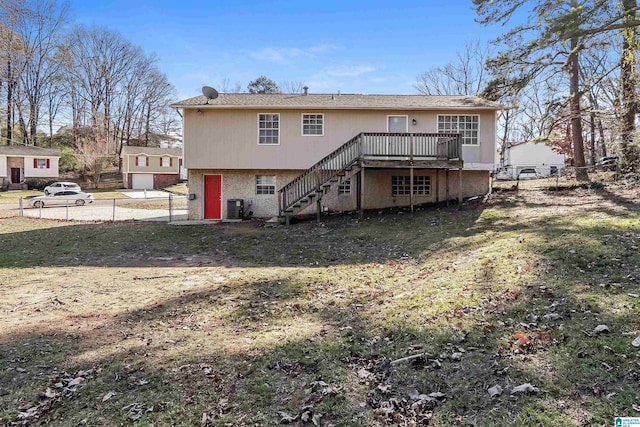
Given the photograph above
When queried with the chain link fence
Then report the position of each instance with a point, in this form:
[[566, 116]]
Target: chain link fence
[[163, 209]]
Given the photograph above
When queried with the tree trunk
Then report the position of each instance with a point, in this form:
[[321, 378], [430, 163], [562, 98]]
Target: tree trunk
[[9, 101], [630, 155], [603, 144], [576, 117], [592, 135], [33, 123], [146, 125]]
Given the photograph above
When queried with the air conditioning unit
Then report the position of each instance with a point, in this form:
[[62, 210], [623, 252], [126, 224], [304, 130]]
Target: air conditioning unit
[[235, 208]]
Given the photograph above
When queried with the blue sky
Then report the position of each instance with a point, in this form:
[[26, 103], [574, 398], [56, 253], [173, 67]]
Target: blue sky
[[352, 46]]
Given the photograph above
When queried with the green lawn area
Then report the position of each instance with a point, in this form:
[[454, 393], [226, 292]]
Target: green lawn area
[[242, 324], [180, 189]]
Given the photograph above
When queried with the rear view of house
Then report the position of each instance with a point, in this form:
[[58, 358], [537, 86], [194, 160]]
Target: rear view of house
[[289, 154], [20, 163], [150, 167]]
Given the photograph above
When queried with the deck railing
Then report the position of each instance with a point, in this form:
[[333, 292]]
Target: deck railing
[[369, 145]]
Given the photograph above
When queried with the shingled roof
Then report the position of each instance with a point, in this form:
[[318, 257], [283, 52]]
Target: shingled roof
[[21, 150], [340, 102]]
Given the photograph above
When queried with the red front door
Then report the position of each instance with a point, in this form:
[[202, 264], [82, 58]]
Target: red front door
[[213, 196]]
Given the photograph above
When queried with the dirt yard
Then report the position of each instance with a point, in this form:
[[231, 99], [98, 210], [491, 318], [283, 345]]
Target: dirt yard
[[518, 310]]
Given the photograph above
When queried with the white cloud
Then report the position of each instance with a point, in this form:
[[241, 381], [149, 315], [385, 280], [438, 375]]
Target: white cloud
[[282, 54], [348, 70]]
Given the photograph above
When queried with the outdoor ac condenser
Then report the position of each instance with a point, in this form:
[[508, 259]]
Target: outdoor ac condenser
[[235, 208]]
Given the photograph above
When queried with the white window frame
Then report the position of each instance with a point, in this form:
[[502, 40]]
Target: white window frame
[[278, 128], [265, 186], [406, 128], [344, 189], [163, 160], [42, 163], [425, 184], [144, 163], [462, 133], [311, 124]]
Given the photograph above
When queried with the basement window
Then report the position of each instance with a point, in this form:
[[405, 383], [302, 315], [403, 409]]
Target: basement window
[[401, 185], [344, 189], [265, 184]]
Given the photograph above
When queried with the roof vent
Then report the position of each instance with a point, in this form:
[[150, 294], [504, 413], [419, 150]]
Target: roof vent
[[306, 90]]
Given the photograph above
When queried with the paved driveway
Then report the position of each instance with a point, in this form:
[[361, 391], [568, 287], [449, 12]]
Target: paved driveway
[[104, 210], [145, 194]]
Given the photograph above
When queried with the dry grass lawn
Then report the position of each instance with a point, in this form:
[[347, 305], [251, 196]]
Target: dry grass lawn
[[240, 324]]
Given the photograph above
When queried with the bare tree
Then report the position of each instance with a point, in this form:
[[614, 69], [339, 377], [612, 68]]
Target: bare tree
[[290, 86], [467, 75], [39, 25], [227, 87]]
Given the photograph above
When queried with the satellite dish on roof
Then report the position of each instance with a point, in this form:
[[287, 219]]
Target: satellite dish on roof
[[209, 92]]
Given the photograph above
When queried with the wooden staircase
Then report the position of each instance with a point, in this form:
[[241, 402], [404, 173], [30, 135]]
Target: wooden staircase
[[344, 162]]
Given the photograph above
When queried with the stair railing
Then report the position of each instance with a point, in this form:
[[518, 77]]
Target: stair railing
[[442, 146]]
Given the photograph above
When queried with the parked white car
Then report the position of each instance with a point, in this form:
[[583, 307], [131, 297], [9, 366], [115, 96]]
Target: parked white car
[[61, 198], [528, 174], [56, 187]]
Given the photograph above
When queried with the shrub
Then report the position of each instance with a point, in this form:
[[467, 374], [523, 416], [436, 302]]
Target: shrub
[[38, 184]]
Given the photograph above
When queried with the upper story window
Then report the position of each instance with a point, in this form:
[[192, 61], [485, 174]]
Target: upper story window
[[142, 161], [165, 162], [313, 124], [41, 163], [269, 129], [265, 184], [467, 126]]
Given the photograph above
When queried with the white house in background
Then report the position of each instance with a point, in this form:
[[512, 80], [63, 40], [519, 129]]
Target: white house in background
[[19, 164], [530, 155]]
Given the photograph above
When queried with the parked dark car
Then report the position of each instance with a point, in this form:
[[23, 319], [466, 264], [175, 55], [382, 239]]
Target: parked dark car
[[609, 163]]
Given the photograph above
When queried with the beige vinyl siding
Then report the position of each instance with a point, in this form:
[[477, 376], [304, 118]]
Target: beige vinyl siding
[[227, 139], [154, 165]]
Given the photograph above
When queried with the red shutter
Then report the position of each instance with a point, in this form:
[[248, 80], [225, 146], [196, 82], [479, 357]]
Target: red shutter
[[35, 163], [147, 160], [48, 164], [170, 162]]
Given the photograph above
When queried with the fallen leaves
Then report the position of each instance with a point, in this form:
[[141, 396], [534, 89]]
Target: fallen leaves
[[495, 391], [525, 389], [136, 410], [601, 329], [521, 340], [62, 386], [307, 413]]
